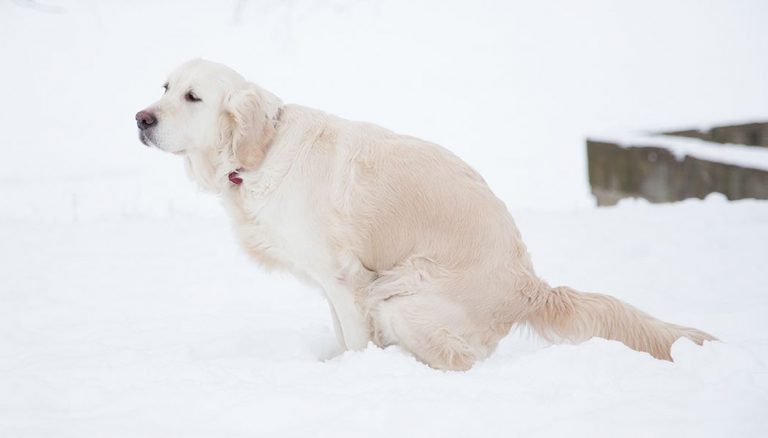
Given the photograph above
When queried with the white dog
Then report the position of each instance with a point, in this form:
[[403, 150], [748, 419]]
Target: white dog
[[408, 242]]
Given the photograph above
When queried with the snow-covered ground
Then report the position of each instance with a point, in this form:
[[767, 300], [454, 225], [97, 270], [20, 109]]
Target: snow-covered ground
[[148, 327], [126, 308]]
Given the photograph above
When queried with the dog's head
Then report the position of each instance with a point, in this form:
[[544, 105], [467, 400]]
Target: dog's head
[[214, 117]]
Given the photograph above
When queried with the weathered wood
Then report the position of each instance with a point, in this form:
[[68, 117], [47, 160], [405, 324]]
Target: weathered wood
[[655, 174], [748, 134]]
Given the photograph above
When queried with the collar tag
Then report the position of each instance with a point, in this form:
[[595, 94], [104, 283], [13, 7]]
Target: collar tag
[[234, 178]]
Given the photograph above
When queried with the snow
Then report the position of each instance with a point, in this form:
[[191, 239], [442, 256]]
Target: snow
[[162, 327], [740, 155], [127, 309]]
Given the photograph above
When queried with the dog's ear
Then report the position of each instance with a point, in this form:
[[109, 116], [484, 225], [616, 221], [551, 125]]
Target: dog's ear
[[252, 113]]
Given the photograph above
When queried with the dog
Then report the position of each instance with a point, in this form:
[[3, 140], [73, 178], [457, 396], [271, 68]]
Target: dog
[[408, 243]]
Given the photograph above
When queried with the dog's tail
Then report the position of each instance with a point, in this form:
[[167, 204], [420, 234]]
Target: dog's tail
[[562, 313]]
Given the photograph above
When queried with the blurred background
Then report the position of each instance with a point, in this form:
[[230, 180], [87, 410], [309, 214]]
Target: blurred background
[[514, 88]]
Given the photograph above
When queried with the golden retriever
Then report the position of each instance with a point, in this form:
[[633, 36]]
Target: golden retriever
[[407, 241]]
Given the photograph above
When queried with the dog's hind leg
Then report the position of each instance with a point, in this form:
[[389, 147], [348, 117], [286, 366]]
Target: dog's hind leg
[[406, 308]]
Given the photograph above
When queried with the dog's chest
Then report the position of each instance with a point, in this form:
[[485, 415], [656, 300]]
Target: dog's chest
[[278, 229]]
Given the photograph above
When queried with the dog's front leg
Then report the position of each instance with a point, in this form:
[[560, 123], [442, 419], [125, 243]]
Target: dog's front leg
[[337, 326], [352, 323]]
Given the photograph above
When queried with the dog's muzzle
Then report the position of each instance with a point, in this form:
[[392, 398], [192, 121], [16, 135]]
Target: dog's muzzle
[[145, 120]]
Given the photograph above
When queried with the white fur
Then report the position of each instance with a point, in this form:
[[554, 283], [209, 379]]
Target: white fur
[[409, 244]]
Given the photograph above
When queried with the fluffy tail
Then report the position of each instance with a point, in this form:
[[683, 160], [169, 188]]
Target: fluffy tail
[[562, 313]]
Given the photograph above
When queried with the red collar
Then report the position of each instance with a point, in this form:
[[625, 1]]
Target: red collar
[[234, 177]]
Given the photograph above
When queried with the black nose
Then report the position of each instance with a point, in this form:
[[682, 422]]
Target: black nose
[[145, 120]]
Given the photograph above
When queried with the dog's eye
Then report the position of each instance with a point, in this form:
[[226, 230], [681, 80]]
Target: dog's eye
[[165, 86], [191, 97]]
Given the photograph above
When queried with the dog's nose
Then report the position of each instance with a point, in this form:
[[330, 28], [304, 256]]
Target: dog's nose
[[145, 120]]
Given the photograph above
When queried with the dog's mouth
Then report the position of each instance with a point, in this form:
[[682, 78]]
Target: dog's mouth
[[146, 139]]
